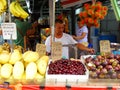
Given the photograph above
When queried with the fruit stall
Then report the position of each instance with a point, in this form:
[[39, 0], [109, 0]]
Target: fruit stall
[[31, 70], [34, 70]]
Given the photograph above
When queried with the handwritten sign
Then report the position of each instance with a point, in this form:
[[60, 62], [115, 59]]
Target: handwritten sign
[[8, 30], [105, 46], [41, 49], [56, 51]]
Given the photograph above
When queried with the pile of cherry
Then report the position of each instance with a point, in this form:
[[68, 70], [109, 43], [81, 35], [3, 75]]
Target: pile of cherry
[[72, 67]]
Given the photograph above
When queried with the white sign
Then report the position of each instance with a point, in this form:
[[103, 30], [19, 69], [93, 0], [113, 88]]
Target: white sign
[[8, 30], [56, 51]]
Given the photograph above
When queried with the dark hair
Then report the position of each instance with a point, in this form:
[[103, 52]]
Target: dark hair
[[78, 19], [59, 21]]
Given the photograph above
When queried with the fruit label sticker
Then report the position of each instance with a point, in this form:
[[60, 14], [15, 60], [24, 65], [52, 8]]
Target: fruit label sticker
[[9, 31], [105, 46], [56, 51], [41, 49]]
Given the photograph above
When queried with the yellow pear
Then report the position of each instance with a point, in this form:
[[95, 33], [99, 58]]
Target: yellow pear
[[4, 57], [6, 70], [45, 58], [42, 66], [18, 70], [30, 56], [31, 70], [16, 55]]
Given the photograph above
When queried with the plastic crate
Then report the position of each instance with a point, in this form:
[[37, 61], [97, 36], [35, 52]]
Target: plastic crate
[[111, 38]]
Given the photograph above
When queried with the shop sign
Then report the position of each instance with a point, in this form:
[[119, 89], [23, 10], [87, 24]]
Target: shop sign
[[105, 46], [9, 31], [56, 51], [41, 49]]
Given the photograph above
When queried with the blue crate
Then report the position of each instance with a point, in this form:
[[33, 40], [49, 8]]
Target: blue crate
[[111, 38]]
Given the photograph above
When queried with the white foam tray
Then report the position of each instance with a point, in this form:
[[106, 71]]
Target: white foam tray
[[67, 78], [83, 57]]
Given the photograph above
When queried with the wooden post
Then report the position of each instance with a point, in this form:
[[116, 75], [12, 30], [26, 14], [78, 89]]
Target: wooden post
[[25, 44]]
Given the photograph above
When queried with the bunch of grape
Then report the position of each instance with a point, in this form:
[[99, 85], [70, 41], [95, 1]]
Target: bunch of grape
[[66, 67]]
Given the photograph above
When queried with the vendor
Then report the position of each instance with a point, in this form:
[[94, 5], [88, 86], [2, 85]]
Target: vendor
[[24, 28], [65, 39]]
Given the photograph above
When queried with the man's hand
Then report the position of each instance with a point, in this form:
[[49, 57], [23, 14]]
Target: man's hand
[[91, 50], [74, 36]]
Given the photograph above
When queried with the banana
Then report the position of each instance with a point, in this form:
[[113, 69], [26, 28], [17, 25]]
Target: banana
[[4, 2], [1, 7], [13, 9], [23, 13]]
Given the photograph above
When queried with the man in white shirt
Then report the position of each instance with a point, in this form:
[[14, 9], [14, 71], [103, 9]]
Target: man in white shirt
[[65, 39]]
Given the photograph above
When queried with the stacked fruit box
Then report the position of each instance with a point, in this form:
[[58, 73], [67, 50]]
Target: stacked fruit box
[[67, 71]]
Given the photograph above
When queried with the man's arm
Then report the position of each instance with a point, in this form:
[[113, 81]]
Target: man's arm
[[82, 47]]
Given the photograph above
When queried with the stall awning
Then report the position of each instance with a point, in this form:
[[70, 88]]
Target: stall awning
[[70, 3]]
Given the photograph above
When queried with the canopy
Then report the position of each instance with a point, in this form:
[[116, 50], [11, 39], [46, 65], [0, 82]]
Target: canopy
[[70, 3]]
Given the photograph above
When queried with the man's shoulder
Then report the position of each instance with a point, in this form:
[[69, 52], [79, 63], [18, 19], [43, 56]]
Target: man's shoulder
[[65, 34], [48, 38]]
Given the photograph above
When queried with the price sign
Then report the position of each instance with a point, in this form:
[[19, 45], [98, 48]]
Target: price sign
[[56, 51], [105, 46], [41, 49], [8, 30]]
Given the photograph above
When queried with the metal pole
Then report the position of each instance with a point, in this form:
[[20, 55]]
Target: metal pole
[[52, 19], [9, 11], [9, 14], [52, 16]]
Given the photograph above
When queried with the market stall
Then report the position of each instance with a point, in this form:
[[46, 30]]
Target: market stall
[[34, 70]]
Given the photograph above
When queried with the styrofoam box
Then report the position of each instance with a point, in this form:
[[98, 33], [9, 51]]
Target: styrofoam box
[[67, 78], [83, 57]]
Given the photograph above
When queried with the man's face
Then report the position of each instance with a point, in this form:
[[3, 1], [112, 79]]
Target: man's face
[[59, 28]]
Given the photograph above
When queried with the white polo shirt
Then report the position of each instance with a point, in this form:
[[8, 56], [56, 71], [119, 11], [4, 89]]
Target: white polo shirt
[[65, 40]]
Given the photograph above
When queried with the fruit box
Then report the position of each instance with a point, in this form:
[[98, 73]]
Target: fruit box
[[83, 57], [67, 78]]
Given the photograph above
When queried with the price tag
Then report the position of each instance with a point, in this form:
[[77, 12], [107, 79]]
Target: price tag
[[41, 49], [56, 51], [8, 30], [105, 46]]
